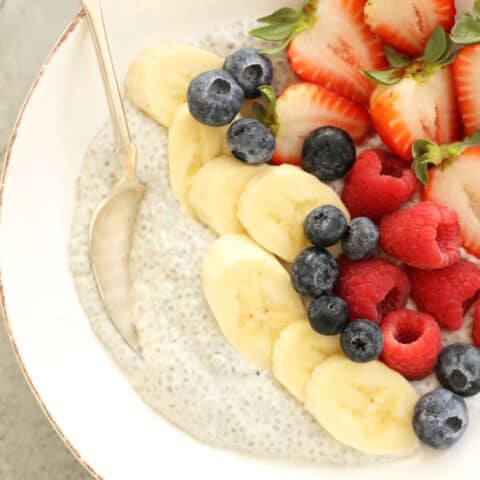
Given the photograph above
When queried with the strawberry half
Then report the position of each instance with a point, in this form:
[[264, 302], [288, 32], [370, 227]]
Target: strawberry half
[[453, 182], [407, 25], [304, 107], [456, 186], [416, 99], [467, 72], [328, 43]]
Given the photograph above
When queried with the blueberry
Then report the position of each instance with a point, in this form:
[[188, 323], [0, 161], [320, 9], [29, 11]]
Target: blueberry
[[458, 369], [250, 70], [440, 418], [325, 226], [361, 239], [250, 141], [329, 153], [362, 341], [328, 315], [314, 272], [214, 98]]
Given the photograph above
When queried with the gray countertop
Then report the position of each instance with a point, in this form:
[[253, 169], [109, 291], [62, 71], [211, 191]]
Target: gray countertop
[[29, 447]]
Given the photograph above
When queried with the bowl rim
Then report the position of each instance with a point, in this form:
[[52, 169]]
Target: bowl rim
[[72, 26]]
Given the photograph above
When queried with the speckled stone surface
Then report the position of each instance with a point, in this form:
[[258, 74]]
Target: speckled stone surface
[[29, 447]]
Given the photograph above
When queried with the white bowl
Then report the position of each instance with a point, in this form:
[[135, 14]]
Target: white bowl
[[105, 424]]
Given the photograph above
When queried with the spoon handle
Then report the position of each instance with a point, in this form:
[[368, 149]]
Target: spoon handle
[[93, 10]]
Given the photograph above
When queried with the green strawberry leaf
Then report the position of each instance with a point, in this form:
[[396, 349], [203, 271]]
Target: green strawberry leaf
[[265, 112], [283, 15], [274, 32], [420, 169], [426, 153], [474, 140], [384, 77], [285, 24], [476, 8], [438, 46], [396, 59], [467, 29]]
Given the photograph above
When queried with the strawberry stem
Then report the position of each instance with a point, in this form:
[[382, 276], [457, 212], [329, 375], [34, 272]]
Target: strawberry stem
[[466, 30], [426, 154], [265, 112], [285, 24], [438, 53]]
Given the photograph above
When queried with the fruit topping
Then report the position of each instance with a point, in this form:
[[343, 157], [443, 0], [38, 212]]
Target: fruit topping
[[328, 315], [466, 71], [296, 354], [458, 369], [476, 325], [362, 341], [250, 69], [408, 24], [424, 236], [361, 239], [378, 184], [417, 99], [314, 272], [250, 295], [214, 98], [367, 406], [191, 145], [372, 288], [328, 43], [250, 141], [158, 78], [455, 184], [215, 190], [328, 153], [275, 203], [304, 107], [446, 294], [440, 418], [412, 343], [325, 226]]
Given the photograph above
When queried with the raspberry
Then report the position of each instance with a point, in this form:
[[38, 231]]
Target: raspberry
[[446, 294], [413, 342], [378, 184], [372, 288], [476, 326], [425, 236]]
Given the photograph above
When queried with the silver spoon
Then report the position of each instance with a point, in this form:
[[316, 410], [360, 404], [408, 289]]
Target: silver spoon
[[111, 230]]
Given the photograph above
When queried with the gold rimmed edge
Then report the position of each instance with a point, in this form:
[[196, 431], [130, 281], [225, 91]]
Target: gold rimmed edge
[[60, 42]]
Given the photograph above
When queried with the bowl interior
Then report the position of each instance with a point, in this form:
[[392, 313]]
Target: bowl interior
[[83, 392]]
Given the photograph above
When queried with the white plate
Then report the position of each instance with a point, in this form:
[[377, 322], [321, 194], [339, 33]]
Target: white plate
[[108, 428]]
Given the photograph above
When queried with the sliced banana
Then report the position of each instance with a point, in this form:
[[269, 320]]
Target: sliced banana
[[215, 191], [190, 145], [158, 79], [250, 295], [296, 354], [274, 204], [365, 406]]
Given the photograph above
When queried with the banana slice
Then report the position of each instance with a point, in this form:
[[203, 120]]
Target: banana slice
[[158, 79], [296, 354], [190, 145], [274, 204], [250, 295], [215, 191], [365, 406]]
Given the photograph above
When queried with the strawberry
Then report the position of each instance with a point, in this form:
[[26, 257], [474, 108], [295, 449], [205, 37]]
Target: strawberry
[[406, 25], [328, 43], [453, 182], [467, 72], [302, 108], [467, 67], [416, 99]]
